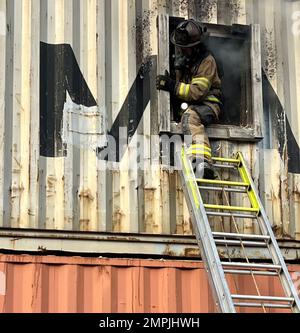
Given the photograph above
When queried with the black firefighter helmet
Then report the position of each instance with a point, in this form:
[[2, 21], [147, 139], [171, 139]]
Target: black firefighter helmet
[[188, 33]]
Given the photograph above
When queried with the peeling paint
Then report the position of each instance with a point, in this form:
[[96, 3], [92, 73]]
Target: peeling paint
[[168, 251], [16, 190], [86, 194], [51, 185], [84, 224], [81, 126], [42, 249], [191, 252], [117, 219]]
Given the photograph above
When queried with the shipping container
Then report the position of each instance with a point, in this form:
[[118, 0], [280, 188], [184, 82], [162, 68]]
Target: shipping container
[[87, 148], [76, 74], [50, 284]]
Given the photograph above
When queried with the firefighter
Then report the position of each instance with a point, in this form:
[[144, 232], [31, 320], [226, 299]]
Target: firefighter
[[198, 86]]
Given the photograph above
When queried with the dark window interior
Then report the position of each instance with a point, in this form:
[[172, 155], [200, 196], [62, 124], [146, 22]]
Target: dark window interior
[[230, 46]]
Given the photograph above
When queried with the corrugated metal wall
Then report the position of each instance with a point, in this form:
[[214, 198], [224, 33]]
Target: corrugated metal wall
[[64, 284], [279, 22], [68, 187]]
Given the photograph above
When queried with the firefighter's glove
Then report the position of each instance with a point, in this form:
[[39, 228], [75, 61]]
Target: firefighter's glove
[[165, 82]]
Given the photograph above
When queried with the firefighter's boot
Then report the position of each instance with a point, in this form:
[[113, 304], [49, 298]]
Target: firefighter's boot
[[200, 155]]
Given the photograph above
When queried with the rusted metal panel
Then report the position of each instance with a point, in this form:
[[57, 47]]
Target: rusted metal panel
[[52, 284], [3, 49], [115, 44], [294, 188], [98, 244]]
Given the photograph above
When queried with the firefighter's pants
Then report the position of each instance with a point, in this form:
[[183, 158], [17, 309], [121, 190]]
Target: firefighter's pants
[[193, 122]]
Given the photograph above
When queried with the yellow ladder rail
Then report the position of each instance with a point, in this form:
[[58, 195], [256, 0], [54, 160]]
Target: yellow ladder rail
[[246, 178]]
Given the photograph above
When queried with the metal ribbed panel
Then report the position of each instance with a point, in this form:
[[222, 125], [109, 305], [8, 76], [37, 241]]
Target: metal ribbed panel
[[111, 40], [75, 284]]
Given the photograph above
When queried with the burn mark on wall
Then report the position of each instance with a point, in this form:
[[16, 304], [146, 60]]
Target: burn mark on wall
[[269, 54], [274, 117], [142, 31], [293, 150], [277, 121], [183, 5], [205, 9], [235, 8]]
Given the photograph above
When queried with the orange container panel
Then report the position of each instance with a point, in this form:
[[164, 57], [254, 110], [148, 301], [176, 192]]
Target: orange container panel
[[51, 284]]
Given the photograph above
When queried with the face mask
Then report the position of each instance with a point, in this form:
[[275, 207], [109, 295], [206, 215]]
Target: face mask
[[181, 60]]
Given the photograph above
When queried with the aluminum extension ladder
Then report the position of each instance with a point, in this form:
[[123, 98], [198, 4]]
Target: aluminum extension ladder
[[208, 240]]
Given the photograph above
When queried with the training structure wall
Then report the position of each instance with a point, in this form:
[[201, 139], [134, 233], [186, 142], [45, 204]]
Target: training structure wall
[[73, 71]]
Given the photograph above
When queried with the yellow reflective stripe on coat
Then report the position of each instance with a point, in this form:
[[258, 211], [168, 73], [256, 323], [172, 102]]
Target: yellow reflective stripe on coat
[[199, 153], [201, 84], [184, 90], [199, 149], [181, 89], [199, 146], [187, 90], [213, 99], [202, 81]]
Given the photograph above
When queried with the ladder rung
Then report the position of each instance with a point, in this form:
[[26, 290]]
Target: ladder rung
[[228, 160], [263, 298], [239, 242], [225, 166], [232, 208], [249, 272], [221, 182], [243, 216], [227, 189], [253, 266], [244, 236], [259, 305]]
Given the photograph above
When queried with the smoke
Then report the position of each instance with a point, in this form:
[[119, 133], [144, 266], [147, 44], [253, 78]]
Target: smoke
[[231, 57]]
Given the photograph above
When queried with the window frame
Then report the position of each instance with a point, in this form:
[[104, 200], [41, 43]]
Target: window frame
[[250, 133]]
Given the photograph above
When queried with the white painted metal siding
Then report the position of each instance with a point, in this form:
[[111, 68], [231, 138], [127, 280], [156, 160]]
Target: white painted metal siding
[[111, 40]]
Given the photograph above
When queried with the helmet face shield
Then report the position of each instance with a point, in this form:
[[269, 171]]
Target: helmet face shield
[[187, 51], [181, 36]]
